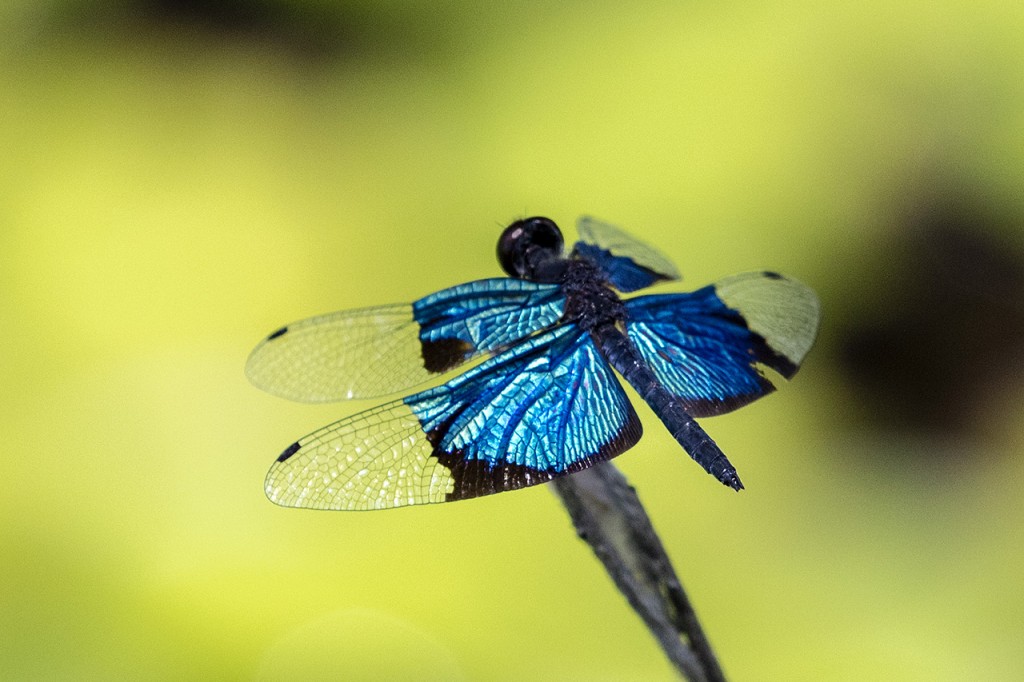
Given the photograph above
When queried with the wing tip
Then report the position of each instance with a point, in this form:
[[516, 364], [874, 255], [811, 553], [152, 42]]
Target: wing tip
[[256, 361], [747, 295]]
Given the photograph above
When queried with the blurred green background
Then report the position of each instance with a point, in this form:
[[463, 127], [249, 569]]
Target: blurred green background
[[180, 178]]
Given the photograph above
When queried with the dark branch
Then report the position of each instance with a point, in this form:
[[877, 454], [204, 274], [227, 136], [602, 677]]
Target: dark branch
[[609, 517]]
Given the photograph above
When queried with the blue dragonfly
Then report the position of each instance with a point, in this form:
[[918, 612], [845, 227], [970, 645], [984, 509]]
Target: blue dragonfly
[[542, 399]]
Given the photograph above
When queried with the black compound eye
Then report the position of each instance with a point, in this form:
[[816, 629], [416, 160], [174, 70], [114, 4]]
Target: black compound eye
[[526, 244]]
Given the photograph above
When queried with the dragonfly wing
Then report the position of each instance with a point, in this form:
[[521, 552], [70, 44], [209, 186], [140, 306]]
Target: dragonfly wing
[[348, 354], [372, 352], [710, 347], [484, 316], [628, 263], [545, 408]]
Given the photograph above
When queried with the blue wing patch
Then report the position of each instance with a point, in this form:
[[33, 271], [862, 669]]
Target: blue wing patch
[[377, 351], [547, 407], [707, 347], [628, 263], [483, 316]]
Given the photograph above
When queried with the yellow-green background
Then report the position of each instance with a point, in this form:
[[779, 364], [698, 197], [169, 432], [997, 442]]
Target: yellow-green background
[[172, 189]]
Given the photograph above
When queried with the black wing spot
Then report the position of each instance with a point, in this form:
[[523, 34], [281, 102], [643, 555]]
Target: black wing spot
[[772, 275], [289, 451], [476, 477], [443, 354], [279, 332]]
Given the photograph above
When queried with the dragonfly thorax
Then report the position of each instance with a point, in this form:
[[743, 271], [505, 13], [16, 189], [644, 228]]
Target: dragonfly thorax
[[589, 300]]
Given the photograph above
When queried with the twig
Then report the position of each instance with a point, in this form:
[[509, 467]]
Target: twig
[[608, 516]]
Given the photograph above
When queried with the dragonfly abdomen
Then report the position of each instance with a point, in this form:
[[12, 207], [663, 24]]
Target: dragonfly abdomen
[[627, 361]]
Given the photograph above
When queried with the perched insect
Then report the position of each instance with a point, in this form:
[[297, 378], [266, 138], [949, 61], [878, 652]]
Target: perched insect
[[545, 401]]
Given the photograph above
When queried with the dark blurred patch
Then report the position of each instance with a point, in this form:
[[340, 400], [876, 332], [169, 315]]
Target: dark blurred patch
[[311, 31], [936, 352]]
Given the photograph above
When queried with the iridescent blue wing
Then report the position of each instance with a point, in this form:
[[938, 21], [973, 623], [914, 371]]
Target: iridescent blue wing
[[628, 263], [545, 408], [710, 347], [377, 351]]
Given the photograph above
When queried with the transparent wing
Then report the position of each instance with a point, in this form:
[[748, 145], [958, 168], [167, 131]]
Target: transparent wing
[[372, 352], [547, 407], [709, 347], [348, 354], [628, 263]]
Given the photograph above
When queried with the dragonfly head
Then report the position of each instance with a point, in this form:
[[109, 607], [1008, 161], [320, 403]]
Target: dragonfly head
[[531, 249]]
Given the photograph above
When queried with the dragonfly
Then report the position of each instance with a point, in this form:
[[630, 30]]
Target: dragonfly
[[540, 398]]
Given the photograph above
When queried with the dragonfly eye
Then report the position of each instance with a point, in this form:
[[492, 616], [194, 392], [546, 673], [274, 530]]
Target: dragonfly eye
[[526, 245]]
